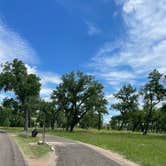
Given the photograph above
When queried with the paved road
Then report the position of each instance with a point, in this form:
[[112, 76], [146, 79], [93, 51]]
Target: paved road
[[9, 152], [72, 153]]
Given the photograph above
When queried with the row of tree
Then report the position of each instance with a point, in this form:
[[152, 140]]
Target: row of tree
[[152, 114], [77, 95], [78, 101]]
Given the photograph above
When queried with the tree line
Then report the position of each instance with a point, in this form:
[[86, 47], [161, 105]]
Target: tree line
[[79, 100], [77, 95], [151, 115]]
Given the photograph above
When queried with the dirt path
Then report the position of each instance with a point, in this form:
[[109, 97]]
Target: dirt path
[[74, 153], [9, 152]]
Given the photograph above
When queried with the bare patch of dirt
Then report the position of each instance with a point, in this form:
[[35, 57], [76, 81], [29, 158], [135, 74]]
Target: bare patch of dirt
[[48, 160]]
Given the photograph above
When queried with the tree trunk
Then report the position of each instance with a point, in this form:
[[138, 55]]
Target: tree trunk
[[26, 122], [99, 121], [146, 129], [67, 122], [29, 119], [72, 127], [52, 124], [121, 126], [67, 126], [135, 125], [73, 124], [44, 131], [147, 122]]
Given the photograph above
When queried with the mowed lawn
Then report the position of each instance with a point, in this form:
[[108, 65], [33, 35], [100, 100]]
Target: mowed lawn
[[147, 150]]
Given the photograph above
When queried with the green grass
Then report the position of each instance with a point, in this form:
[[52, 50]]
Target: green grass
[[147, 150], [12, 129], [29, 146]]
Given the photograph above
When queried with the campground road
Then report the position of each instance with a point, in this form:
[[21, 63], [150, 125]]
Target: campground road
[[73, 153], [9, 152]]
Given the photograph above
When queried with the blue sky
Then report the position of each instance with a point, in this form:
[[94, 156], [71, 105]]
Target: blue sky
[[117, 41]]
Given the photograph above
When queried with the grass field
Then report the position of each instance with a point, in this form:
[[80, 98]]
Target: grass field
[[147, 150]]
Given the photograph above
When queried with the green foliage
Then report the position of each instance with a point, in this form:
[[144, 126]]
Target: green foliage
[[76, 95], [14, 77], [4, 117], [153, 93], [128, 103], [151, 116], [15, 115], [90, 120]]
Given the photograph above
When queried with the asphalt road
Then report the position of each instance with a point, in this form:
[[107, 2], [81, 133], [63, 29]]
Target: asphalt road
[[72, 153], [9, 152]]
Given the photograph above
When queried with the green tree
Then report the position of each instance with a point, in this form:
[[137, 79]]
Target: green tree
[[76, 95], [115, 122], [161, 125], [153, 93], [14, 77], [100, 108], [16, 115], [5, 114], [127, 98], [44, 114], [90, 120]]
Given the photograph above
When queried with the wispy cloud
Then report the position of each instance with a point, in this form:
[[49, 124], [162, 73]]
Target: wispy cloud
[[142, 50], [49, 81], [13, 45], [93, 29], [49, 77]]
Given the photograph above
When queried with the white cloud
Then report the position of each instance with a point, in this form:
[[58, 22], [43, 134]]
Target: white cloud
[[31, 70], [46, 77], [49, 77], [131, 5], [49, 81], [92, 29], [13, 45], [46, 91], [141, 50], [109, 97]]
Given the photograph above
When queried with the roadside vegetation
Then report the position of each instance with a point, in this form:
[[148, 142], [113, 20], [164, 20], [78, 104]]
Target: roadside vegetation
[[28, 144], [30, 148]]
